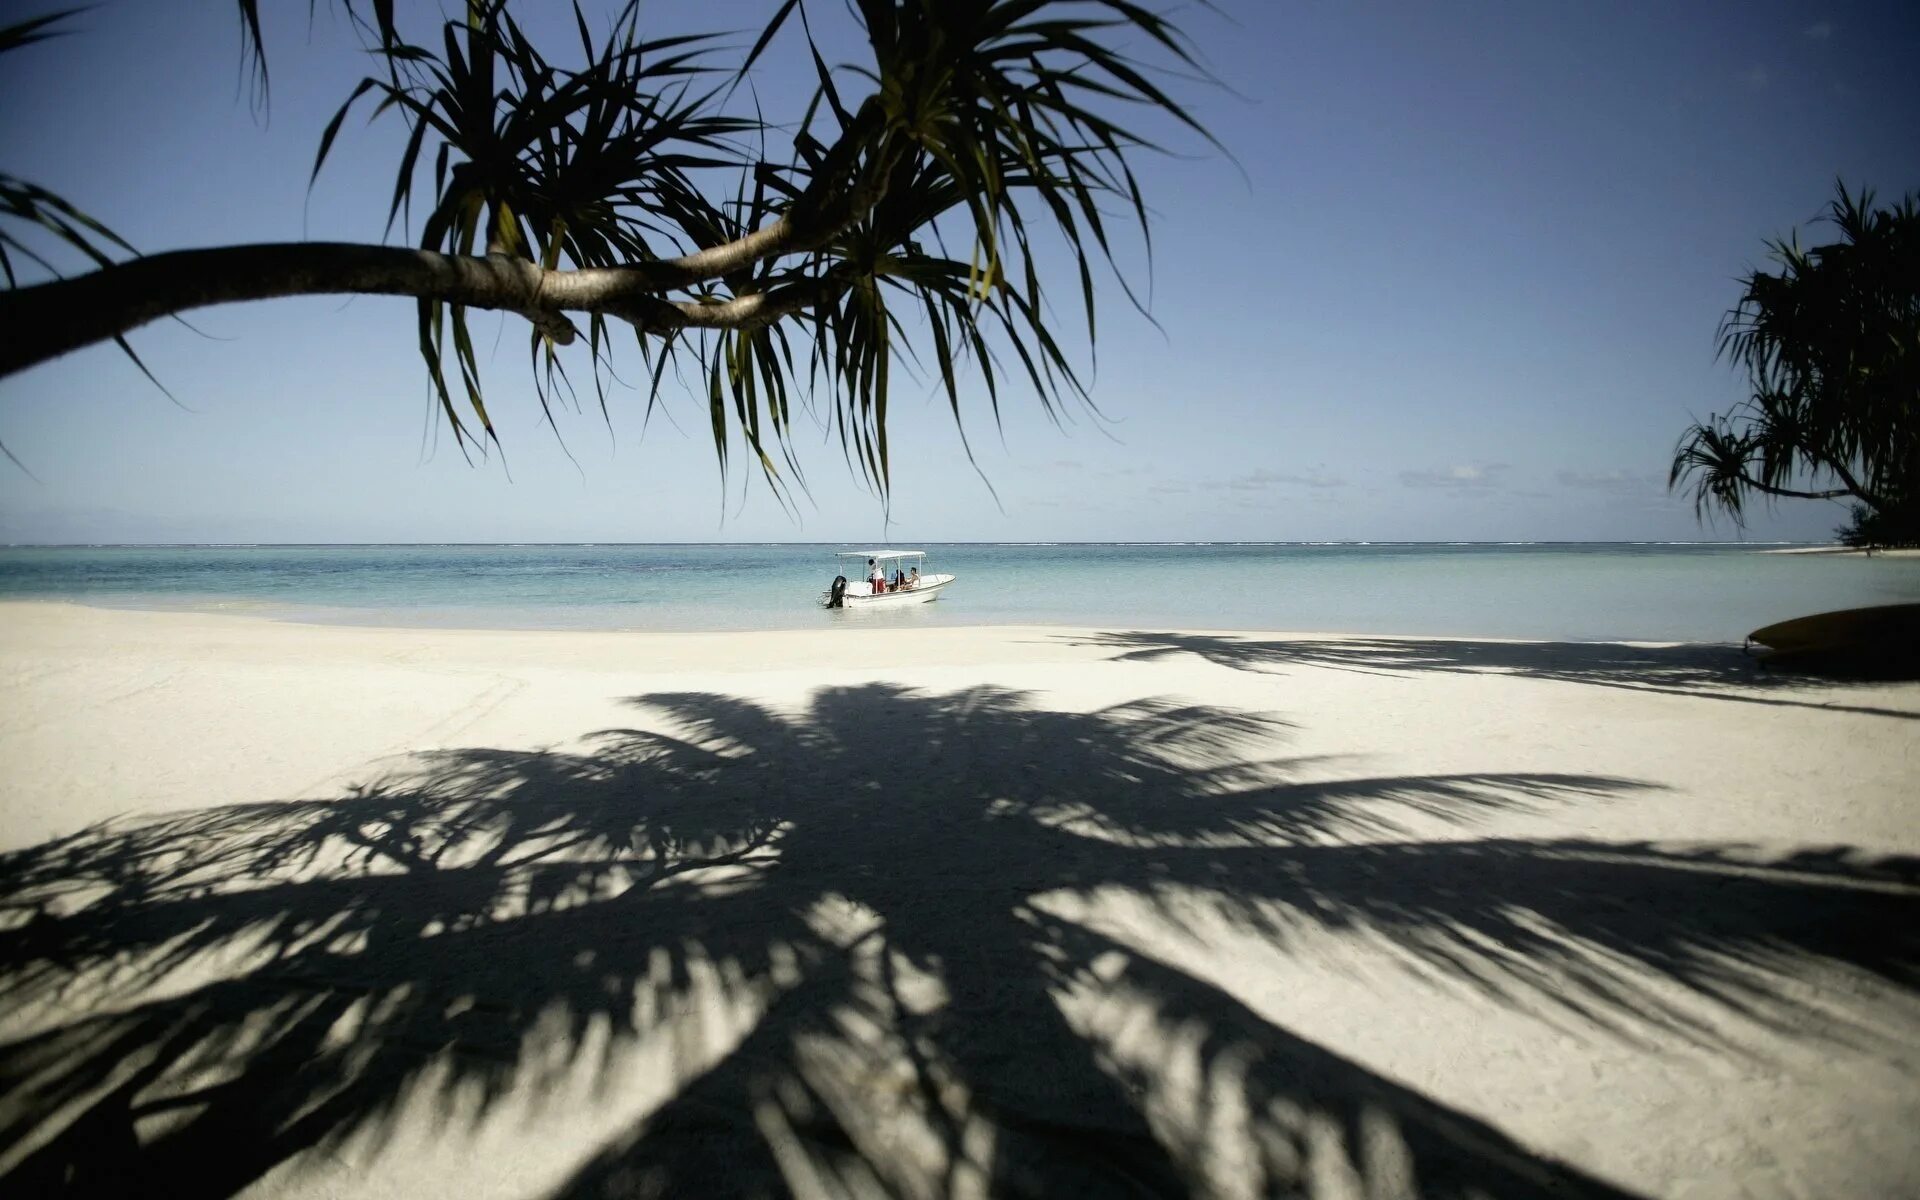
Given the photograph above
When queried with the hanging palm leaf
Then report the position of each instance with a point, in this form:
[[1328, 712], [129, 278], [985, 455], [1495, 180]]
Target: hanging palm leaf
[[903, 225]]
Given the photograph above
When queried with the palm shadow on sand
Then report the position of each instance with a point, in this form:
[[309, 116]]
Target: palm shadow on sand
[[194, 1001], [1692, 669]]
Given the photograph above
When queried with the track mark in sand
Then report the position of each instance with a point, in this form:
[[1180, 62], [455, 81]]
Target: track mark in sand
[[143, 689], [27, 676], [503, 689], [103, 702]]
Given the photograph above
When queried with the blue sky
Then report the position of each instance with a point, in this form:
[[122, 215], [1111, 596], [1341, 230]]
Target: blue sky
[[1462, 284]]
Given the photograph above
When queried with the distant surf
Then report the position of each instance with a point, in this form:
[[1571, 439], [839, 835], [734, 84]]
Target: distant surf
[[1654, 591]]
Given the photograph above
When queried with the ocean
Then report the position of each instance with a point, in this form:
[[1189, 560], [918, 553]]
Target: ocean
[[1575, 591]]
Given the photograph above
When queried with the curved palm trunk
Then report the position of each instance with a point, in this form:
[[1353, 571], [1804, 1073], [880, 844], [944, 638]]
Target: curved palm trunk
[[48, 320]]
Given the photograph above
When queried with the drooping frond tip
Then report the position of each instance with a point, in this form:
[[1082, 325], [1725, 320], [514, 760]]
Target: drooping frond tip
[[911, 229], [1829, 342]]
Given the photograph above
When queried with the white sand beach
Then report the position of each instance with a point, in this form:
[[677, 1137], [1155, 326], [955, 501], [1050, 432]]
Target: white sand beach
[[296, 910], [1847, 551]]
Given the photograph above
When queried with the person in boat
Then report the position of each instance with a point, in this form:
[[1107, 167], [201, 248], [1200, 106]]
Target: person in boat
[[877, 576], [913, 580], [899, 579]]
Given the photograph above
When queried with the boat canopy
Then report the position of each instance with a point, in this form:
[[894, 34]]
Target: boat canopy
[[880, 555]]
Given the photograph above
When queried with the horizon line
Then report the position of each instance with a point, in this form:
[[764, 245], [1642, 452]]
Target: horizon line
[[997, 542]]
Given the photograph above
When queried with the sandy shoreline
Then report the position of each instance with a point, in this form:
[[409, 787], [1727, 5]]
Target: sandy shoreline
[[1847, 551], [947, 911]]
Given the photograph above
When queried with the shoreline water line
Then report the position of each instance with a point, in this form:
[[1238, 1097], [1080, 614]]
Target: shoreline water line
[[1564, 591]]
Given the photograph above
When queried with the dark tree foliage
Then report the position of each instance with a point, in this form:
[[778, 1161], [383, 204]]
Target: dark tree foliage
[[1830, 344], [623, 181]]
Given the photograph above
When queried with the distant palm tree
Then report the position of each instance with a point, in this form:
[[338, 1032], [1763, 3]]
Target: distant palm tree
[[1830, 344]]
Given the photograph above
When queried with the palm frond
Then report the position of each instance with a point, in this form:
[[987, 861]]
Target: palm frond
[[24, 204], [1829, 340], [910, 230]]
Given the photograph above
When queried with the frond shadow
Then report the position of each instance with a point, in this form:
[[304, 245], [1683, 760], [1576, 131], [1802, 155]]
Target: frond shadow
[[1709, 671], [852, 976]]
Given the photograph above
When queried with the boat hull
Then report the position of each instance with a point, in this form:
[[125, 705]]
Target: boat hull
[[1891, 625], [930, 589], [1880, 641]]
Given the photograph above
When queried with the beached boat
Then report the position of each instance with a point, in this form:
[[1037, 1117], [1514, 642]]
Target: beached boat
[[907, 582], [1886, 637]]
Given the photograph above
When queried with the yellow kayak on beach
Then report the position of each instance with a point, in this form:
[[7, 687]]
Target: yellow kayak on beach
[[1889, 629]]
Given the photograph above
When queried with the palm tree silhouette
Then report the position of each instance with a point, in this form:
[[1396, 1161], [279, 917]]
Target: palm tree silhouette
[[855, 931]]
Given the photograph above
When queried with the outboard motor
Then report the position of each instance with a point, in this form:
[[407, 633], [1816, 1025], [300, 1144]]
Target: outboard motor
[[837, 595]]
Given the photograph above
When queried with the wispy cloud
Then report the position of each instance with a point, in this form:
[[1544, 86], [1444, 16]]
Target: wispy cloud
[[1819, 31], [1066, 504], [1481, 477], [1315, 478], [1617, 482], [1755, 76], [1261, 480]]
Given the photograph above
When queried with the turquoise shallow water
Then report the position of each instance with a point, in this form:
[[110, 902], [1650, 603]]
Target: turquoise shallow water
[[1585, 591]]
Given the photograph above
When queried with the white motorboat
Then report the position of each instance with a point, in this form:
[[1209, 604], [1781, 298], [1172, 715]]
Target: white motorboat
[[906, 580]]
